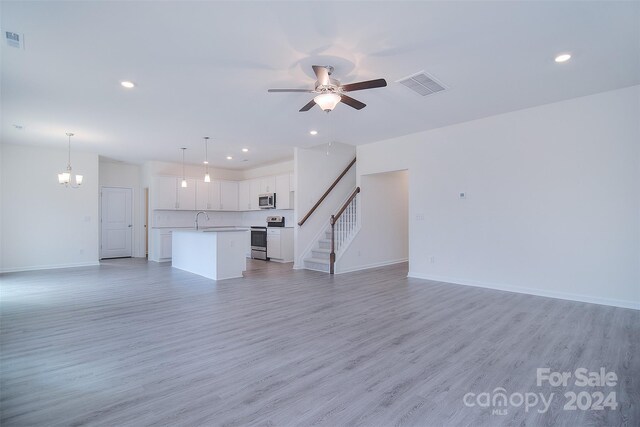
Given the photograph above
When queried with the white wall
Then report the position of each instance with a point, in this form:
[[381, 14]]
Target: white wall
[[552, 199], [383, 238], [267, 170], [44, 224], [120, 174], [314, 172], [153, 168]]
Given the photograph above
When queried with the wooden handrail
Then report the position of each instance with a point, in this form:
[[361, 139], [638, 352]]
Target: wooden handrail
[[326, 193], [335, 217], [332, 221]]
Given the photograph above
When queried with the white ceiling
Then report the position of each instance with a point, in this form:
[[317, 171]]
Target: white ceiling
[[203, 68]]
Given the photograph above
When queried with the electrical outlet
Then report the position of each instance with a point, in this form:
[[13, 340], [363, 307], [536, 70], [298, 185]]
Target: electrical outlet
[[432, 260]]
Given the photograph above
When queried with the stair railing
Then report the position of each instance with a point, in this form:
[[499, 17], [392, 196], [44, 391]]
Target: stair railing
[[326, 193], [343, 226]]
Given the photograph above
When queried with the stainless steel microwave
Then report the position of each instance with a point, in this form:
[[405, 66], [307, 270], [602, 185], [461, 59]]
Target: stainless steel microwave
[[267, 201]]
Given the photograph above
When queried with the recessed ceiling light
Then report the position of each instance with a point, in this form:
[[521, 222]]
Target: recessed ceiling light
[[563, 57], [127, 84], [313, 132], [229, 158], [205, 162], [245, 150]]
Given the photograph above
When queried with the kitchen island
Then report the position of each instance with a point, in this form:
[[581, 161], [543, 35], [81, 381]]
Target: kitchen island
[[216, 253]]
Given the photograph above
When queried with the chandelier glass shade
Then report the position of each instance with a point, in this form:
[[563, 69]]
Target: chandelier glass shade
[[327, 101], [68, 178]]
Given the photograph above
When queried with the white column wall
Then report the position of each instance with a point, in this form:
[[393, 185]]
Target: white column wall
[[552, 201]]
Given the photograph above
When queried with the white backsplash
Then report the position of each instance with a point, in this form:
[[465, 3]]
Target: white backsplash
[[260, 217], [163, 218]]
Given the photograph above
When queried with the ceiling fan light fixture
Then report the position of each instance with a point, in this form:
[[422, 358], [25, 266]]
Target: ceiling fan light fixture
[[327, 101], [564, 57]]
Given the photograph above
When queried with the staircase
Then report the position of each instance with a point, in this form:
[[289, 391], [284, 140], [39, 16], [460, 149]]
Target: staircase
[[321, 254], [343, 226]]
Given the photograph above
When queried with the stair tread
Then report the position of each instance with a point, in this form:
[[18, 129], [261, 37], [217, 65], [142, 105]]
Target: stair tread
[[324, 250], [317, 260]]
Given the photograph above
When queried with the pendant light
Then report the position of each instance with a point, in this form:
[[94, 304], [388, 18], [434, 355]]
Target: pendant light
[[68, 178], [184, 180], [207, 177]]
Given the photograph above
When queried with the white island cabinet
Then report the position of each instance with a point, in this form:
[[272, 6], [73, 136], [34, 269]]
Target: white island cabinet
[[215, 253]]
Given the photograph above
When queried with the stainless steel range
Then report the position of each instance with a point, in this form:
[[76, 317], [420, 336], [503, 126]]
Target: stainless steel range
[[259, 243], [275, 221]]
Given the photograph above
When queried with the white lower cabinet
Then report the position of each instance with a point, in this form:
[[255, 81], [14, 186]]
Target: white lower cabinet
[[280, 244], [274, 249], [161, 249]]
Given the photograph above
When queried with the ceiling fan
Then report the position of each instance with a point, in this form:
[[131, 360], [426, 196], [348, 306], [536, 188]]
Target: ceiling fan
[[330, 91]]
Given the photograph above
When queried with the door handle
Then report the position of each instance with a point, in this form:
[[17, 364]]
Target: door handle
[[129, 226]]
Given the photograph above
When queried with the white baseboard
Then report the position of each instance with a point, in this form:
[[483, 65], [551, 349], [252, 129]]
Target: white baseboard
[[368, 266], [49, 267], [532, 291]]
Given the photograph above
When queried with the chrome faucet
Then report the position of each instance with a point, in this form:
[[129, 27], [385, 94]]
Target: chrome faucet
[[205, 214]]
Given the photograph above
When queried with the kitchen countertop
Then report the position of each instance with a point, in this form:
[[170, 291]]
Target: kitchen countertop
[[193, 228], [213, 230]]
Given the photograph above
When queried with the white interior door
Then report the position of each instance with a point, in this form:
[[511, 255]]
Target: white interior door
[[117, 225]]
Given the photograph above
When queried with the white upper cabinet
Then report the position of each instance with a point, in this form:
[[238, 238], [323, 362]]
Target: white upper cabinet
[[283, 192], [229, 195], [268, 184], [186, 196], [207, 195], [165, 192], [244, 195], [171, 195], [168, 193], [202, 195], [256, 190]]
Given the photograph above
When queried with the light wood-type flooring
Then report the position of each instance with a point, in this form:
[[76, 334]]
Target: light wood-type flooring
[[136, 343]]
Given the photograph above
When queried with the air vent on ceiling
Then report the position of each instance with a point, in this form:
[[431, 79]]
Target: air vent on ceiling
[[422, 83], [13, 39]]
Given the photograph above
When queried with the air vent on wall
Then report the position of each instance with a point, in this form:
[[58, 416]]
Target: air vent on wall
[[422, 83], [13, 39]]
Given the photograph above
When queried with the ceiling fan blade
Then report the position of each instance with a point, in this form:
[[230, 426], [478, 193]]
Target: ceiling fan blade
[[308, 106], [322, 74], [352, 102], [370, 84], [290, 90]]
